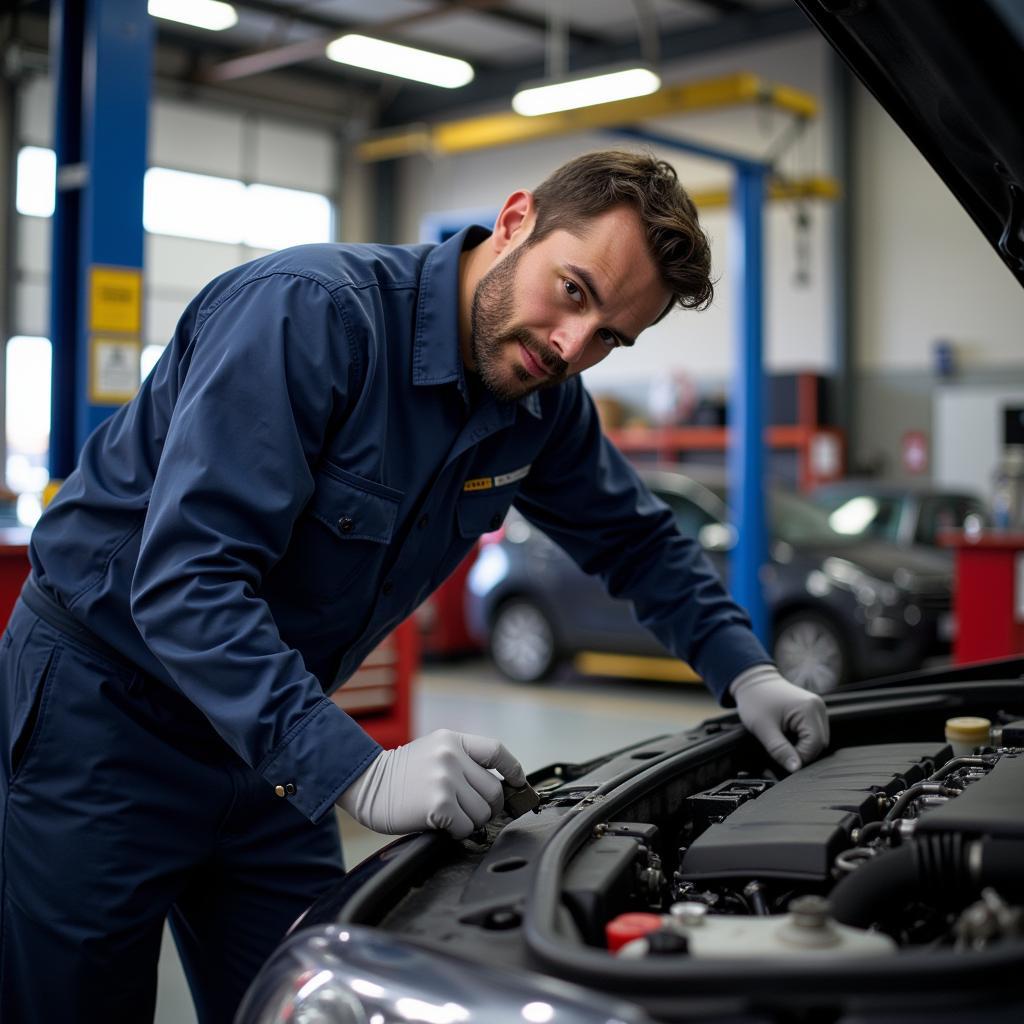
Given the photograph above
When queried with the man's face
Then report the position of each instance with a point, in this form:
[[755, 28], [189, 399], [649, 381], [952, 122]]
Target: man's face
[[548, 310]]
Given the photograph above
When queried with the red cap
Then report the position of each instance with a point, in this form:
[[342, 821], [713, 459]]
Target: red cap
[[627, 927]]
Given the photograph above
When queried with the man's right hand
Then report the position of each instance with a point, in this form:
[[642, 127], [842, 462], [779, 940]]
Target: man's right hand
[[438, 781]]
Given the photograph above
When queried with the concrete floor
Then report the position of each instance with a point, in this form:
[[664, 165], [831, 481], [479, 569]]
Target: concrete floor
[[574, 718]]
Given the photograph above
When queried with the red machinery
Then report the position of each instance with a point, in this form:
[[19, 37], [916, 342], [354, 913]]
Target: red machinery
[[989, 601]]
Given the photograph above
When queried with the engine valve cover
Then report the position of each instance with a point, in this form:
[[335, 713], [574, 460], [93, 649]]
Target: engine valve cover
[[795, 829]]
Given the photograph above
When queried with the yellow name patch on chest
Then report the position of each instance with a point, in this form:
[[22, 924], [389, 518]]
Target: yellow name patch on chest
[[486, 483]]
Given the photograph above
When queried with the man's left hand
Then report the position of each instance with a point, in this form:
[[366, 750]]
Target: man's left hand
[[777, 712]]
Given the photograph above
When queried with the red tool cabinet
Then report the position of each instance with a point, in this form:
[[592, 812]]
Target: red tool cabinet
[[989, 599]]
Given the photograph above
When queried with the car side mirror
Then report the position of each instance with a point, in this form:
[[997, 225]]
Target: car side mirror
[[716, 536]]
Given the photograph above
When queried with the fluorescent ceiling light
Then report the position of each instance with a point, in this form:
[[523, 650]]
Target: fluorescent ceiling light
[[209, 14], [402, 61], [585, 90]]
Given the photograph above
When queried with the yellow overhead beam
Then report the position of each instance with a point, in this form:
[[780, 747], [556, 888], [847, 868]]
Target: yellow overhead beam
[[509, 128], [804, 188]]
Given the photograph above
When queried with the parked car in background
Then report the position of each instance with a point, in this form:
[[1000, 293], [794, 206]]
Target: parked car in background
[[901, 513], [841, 607]]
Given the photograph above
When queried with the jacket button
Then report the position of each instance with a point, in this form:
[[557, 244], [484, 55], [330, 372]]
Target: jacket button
[[387, 587], [279, 790], [345, 524], [496, 520], [289, 788]]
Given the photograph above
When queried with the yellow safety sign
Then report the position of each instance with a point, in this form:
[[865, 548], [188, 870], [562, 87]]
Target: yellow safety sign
[[115, 299]]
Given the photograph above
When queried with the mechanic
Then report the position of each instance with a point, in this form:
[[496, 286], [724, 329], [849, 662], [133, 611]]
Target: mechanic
[[325, 437]]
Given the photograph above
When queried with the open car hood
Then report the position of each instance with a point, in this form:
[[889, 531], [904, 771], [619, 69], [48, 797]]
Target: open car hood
[[951, 74], [684, 879]]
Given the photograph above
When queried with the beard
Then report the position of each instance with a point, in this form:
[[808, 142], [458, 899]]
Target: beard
[[493, 332]]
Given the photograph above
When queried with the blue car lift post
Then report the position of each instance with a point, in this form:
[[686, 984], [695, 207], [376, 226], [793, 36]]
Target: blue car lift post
[[746, 400], [102, 59]]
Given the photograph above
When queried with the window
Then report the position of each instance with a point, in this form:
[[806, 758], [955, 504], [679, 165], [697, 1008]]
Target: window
[[28, 420], [193, 205], [198, 206], [37, 181], [279, 217], [225, 210]]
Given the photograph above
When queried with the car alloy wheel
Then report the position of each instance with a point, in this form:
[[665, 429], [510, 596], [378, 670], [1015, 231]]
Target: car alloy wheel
[[522, 643], [809, 652]]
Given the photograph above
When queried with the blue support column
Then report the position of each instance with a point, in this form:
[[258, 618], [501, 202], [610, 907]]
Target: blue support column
[[746, 412], [67, 33], [102, 51], [746, 402]]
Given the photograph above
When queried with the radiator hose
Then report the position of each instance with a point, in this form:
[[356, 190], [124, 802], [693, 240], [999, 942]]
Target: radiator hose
[[940, 870]]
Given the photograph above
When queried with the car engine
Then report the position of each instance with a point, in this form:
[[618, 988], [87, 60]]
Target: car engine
[[870, 849]]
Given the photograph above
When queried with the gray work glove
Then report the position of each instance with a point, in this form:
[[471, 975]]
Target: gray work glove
[[438, 781], [776, 711]]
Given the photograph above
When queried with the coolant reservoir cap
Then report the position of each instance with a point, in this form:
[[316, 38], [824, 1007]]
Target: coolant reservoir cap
[[968, 729], [627, 927]]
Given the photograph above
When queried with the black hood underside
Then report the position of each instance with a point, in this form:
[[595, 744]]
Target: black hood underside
[[951, 74]]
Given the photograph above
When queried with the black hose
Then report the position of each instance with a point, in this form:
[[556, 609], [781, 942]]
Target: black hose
[[864, 896], [941, 870]]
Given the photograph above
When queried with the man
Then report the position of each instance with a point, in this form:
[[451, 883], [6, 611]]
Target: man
[[327, 434]]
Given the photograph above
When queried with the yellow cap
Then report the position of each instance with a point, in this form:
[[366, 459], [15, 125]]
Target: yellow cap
[[968, 729]]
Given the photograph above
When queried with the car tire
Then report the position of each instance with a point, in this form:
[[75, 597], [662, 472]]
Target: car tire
[[522, 642], [810, 651]]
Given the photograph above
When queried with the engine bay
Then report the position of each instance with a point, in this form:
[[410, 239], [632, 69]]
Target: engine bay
[[870, 849], [688, 873]]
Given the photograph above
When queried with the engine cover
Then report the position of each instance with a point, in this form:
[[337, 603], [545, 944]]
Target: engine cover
[[795, 829], [992, 806]]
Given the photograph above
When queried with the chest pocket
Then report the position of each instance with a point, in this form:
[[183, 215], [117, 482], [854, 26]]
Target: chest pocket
[[343, 534], [481, 512]]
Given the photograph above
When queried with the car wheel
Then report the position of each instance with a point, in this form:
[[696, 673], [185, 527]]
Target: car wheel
[[522, 643], [810, 652]]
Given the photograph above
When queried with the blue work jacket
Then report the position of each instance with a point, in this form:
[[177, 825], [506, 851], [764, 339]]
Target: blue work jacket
[[304, 465]]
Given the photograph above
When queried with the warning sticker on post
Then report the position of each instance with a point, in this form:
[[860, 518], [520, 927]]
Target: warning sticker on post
[[113, 370], [115, 299]]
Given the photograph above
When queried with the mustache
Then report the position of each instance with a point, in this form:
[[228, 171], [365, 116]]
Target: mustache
[[555, 365]]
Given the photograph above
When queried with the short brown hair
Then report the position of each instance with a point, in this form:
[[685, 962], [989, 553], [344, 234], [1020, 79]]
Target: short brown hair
[[593, 183]]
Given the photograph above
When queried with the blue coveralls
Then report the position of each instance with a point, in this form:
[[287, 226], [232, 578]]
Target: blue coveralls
[[305, 464]]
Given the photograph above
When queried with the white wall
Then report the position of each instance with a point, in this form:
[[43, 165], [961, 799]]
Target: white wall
[[923, 270], [798, 318], [969, 434]]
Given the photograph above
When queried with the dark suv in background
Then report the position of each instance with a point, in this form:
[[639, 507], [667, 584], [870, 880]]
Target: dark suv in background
[[841, 607]]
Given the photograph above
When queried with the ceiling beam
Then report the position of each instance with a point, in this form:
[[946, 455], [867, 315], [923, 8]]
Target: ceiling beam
[[499, 84], [507, 128], [276, 57]]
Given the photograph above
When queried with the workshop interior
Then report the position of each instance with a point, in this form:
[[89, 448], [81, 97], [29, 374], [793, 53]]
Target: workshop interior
[[839, 436]]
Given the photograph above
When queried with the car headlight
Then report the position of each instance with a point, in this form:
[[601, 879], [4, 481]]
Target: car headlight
[[334, 974], [489, 569]]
